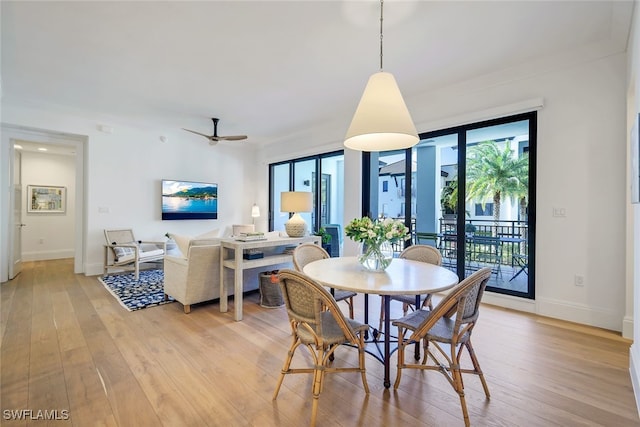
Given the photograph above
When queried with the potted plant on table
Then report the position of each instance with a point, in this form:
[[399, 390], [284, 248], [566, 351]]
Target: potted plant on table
[[376, 237], [325, 237]]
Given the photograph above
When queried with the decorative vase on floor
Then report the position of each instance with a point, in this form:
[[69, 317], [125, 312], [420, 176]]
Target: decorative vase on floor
[[375, 257]]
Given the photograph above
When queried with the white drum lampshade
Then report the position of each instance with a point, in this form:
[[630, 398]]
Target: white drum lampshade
[[295, 202]]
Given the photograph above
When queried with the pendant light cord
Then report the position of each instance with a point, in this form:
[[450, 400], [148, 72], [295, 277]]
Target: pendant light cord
[[381, 6]]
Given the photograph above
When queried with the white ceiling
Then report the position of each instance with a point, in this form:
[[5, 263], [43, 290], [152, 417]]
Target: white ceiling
[[271, 69]]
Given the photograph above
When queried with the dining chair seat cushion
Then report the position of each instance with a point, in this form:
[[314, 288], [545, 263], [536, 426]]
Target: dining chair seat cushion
[[331, 331], [409, 299], [340, 295], [442, 331]]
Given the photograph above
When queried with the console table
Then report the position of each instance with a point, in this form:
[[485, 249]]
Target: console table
[[231, 256]]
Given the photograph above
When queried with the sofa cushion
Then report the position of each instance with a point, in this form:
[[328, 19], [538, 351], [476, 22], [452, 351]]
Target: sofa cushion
[[196, 241], [184, 242]]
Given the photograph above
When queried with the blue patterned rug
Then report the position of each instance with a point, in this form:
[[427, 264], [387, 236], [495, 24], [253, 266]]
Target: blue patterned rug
[[133, 294]]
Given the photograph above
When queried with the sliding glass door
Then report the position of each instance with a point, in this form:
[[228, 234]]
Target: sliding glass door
[[470, 192]]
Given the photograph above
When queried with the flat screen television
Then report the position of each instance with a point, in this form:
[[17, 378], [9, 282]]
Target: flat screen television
[[189, 200]]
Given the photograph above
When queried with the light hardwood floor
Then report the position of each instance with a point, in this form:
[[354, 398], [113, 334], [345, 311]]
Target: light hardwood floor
[[67, 344]]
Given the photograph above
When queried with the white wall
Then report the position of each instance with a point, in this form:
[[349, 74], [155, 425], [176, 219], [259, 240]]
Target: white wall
[[124, 170], [48, 235]]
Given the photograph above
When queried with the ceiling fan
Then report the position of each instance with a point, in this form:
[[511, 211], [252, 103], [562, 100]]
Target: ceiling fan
[[213, 139]]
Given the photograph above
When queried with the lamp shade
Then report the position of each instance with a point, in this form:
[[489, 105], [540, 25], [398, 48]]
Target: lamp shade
[[255, 211], [296, 201], [382, 121]]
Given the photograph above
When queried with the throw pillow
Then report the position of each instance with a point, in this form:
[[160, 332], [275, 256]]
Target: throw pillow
[[182, 242], [123, 252]]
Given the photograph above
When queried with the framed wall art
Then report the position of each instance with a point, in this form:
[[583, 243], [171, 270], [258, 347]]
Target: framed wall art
[[46, 199]]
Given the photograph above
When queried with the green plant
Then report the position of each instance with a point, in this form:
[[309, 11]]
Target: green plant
[[375, 232], [449, 197], [495, 173], [322, 233]]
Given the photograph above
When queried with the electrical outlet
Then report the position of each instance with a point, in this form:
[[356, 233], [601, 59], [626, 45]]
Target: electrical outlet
[[578, 280], [559, 212]]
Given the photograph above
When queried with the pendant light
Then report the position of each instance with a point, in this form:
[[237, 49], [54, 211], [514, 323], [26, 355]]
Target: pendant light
[[382, 121]]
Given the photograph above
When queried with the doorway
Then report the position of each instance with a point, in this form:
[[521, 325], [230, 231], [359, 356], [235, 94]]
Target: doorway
[[56, 144]]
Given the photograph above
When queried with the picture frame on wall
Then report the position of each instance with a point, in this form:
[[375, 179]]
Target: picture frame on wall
[[46, 199], [635, 161]]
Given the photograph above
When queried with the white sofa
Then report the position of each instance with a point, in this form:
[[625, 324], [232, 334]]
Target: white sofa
[[196, 277]]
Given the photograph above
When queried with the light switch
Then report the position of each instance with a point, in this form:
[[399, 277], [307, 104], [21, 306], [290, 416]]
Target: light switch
[[559, 212]]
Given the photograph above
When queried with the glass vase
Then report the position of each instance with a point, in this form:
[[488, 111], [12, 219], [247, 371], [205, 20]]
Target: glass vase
[[375, 256]]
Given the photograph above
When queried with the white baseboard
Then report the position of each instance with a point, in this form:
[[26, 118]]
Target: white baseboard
[[557, 309], [508, 301], [634, 365], [627, 327], [579, 313], [46, 255]]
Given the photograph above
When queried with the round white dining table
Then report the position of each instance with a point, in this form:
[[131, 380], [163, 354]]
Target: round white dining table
[[402, 277]]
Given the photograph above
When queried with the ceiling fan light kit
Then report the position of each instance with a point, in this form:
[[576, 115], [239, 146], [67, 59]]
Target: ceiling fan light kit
[[382, 121], [213, 139]]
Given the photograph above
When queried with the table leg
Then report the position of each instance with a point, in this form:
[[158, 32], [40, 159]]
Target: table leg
[[366, 315], [387, 340], [224, 294], [416, 350], [238, 279]]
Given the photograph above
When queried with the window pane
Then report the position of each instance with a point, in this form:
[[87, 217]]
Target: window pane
[[435, 178], [304, 180], [279, 183], [497, 191], [326, 185]]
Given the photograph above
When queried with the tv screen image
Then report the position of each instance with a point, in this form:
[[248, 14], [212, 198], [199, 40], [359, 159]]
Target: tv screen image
[[189, 200]]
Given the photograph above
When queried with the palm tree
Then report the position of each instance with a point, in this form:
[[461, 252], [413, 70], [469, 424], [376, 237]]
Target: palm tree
[[496, 173]]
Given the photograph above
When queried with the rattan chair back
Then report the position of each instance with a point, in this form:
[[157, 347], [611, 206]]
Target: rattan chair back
[[307, 303], [463, 301], [422, 253], [307, 252]]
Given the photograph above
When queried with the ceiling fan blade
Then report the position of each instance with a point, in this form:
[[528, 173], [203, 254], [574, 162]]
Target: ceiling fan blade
[[232, 137], [198, 133]]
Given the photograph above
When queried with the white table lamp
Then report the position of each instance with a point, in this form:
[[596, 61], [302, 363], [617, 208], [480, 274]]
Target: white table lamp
[[255, 212], [295, 202]]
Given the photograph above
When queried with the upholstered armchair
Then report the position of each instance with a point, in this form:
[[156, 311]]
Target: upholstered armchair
[[124, 252], [195, 276]]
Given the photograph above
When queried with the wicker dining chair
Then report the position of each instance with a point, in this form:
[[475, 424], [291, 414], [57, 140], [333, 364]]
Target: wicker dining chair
[[318, 324], [422, 253], [308, 252], [445, 331]]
